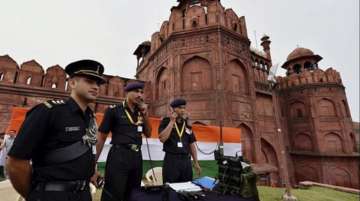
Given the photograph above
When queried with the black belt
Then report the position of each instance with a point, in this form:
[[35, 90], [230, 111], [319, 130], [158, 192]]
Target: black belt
[[69, 186], [133, 147]]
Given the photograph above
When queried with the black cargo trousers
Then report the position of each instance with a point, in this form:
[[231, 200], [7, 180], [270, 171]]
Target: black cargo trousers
[[177, 168], [123, 172]]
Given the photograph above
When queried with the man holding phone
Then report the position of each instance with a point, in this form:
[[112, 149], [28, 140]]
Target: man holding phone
[[127, 122], [178, 143]]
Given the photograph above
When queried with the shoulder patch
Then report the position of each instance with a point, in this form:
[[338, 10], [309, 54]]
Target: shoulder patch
[[51, 103]]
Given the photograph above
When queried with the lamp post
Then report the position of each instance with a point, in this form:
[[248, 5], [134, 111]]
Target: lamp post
[[287, 194]]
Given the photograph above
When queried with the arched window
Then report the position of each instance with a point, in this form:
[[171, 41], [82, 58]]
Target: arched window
[[333, 143], [53, 86], [196, 75], [2, 75], [194, 23], [28, 80], [308, 66], [235, 27], [237, 80], [340, 177], [162, 84], [247, 143], [327, 108], [303, 142], [297, 110], [305, 172], [297, 68], [299, 113], [261, 64]]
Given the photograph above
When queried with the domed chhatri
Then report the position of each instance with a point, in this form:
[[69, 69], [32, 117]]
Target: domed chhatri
[[301, 59], [299, 53]]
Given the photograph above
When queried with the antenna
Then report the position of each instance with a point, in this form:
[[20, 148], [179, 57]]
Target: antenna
[[256, 42], [219, 152], [221, 144]]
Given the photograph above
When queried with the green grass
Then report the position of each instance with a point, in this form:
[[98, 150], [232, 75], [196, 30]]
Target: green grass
[[311, 194], [209, 168]]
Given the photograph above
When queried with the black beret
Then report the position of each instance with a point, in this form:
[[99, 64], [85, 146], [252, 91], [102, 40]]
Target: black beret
[[86, 67], [177, 102], [133, 86]]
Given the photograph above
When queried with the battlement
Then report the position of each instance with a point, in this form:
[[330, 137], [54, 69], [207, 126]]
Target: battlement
[[317, 76], [194, 15], [31, 74]]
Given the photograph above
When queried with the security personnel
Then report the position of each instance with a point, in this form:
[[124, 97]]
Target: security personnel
[[127, 122], [57, 136], [179, 143]]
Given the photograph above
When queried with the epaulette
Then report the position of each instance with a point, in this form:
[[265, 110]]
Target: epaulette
[[51, 103]]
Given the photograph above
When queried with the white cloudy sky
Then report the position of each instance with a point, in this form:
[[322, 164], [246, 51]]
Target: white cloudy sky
[[59, 31]]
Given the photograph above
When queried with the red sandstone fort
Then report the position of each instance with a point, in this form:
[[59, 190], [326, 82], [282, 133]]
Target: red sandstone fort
[[202, 53]]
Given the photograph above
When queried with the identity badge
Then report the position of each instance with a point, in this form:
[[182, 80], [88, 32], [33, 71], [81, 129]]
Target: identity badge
[[140, 129], [93, 149], [179, 144]]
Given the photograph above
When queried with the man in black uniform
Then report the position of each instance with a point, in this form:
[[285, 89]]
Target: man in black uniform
[[58, 137], [127, 122], [179, 143]]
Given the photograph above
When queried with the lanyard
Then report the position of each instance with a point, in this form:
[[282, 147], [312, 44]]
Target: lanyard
[[182, 129], [128, 115]]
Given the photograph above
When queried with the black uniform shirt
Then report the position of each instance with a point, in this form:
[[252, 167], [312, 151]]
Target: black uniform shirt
[[123, 131], [52, 126], [171, 144]]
